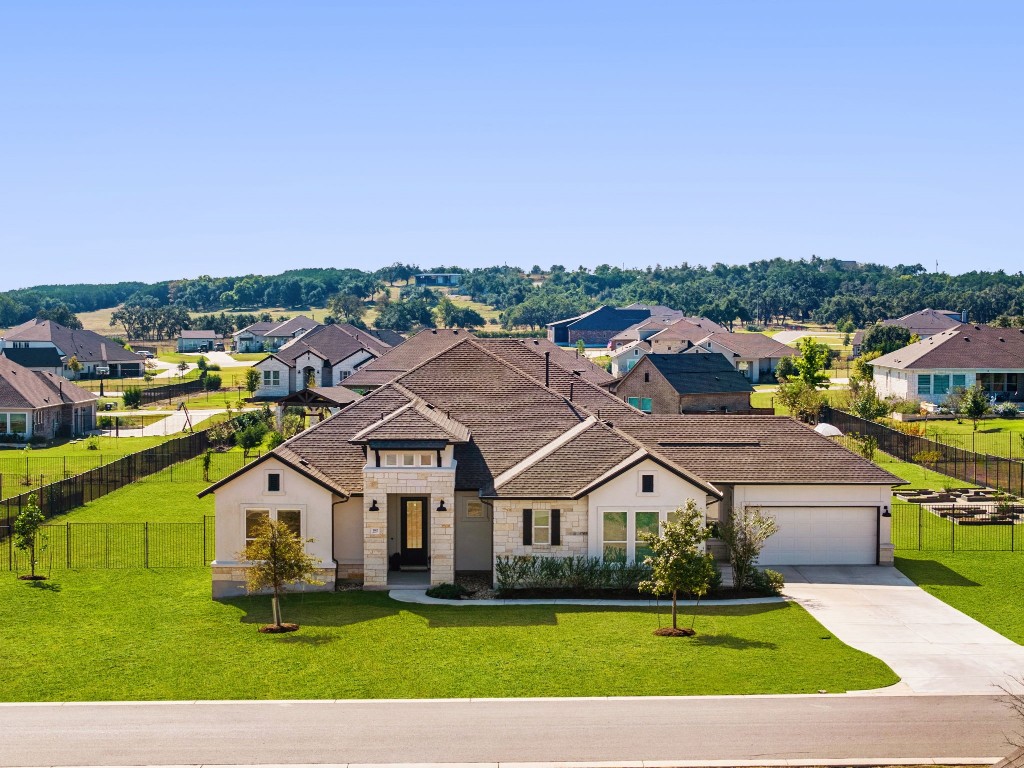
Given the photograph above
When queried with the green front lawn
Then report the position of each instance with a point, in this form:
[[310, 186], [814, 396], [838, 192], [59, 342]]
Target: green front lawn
[[156, 634], [985, 585]]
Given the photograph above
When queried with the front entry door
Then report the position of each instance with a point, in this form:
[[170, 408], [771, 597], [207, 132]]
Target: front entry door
[[415, 533]]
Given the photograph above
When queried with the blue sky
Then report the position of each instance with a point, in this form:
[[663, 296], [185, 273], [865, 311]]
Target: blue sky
[[159, 140]]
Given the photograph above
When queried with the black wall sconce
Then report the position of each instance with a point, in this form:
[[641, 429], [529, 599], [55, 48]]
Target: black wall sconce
[[886, 512], [374, 507], [441, 507]]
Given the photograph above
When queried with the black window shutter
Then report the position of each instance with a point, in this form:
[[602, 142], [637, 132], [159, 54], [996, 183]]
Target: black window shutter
[[556, 527], [527, 527]]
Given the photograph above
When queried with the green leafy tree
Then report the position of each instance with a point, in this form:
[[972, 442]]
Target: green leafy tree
[[132, 397], [811, 363], [786, 369], [207, 459], [26, 532], [745, 533], [348, 307], [885, 339], [212, 382], [802, 401], [975, 404], [74, 365], [581, 347], [868, 405], [251, 437], [278, 558], [252, 380], [677, 562]]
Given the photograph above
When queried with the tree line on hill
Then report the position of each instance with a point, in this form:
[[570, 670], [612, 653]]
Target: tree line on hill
[[761, 292]]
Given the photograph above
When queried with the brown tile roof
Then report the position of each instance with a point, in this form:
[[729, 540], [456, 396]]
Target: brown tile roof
[[406, 356], [87, 346], [965, 347], [417, 420], [291, 327], [22, 387], [753, 449], [682, 330], [752, 345], [331, 343], [693, 374], [927, 322], [189, 334]]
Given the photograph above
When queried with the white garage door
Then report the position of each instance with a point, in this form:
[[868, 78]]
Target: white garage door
[[821, 536]]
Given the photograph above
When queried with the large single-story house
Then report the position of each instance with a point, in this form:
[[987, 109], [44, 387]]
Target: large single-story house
[[924, 324], [597, 327], [966, 355], [682, 334], [197, 341], [322, 357], [685, 384], [488, 450], [97, 354], [42, 404], [271, 336], [754, 355], [42, 359]]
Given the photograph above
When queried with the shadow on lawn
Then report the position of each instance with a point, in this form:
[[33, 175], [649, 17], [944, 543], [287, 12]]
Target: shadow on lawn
[[931, 573], [731, 642]]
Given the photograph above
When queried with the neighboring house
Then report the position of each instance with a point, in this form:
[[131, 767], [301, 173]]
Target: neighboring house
[[754, 355], [685, 384], [42, 359], [42, 404], [197, 341], [961, 357], [271, 336], [638, 332], [322, 357], [682, 334], [628, 355], [597, 327], [924, 324], [487, 450], [98, 355], [438, 279]]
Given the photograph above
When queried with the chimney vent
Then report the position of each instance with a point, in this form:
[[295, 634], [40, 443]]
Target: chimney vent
[[547, 369]]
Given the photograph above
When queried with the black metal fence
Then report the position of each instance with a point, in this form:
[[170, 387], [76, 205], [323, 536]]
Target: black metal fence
[[113, 545], [995, 527], [170, 391], [978, 468]]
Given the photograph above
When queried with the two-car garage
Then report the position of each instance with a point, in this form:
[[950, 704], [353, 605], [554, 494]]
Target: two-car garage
[[822, 536]]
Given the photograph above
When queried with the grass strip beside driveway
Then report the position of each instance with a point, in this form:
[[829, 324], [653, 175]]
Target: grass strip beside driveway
[[156, 634]]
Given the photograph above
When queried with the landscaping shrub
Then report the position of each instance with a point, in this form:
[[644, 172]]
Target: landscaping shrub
[[1008, 411], [448, 591], [577, 572], [133, 397], [105, 422], [213, 366], [212, 382], [767, 582], [274, 439], [37, 439]]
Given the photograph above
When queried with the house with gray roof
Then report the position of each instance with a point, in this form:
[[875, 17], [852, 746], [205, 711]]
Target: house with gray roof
[[197, 340], [930, 369], [706, 383], [42, 404], [98, 355], [487, 450], [271, 336], [597, 327], [924, 324]]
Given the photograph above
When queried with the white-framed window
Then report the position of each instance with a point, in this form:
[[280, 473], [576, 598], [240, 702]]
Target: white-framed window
[[647, 484], [271, 378], [924, 384], [622, 534], [256, 516], [408, 459], [418, 459], [541, 526], [273, 482], [390, 459]]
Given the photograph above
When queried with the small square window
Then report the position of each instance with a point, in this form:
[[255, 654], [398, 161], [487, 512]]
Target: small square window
[[646, 483], [645, 404], [426, 459], [634, 401], [391, 459], [274, 482], [408, 460]]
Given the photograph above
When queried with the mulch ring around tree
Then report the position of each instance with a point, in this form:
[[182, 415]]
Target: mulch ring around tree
[[670, 632], [273, 629], [28, 577]]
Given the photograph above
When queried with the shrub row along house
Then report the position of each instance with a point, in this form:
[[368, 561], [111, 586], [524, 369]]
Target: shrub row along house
[[493, 447], [930, 369], [42, 405], [322, 357], [46, 345]]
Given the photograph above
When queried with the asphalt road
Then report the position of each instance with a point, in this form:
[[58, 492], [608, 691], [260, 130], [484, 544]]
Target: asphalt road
[[749, 728]]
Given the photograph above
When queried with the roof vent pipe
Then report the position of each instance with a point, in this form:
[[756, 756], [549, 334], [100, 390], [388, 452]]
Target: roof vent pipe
[[570, 390], [547, 369], [963, 316]]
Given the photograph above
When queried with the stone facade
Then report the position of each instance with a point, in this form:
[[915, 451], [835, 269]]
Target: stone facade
[[229, 581], [437, 484], [508, 527]]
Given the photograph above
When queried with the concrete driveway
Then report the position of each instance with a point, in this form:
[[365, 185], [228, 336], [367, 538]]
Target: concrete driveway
[[932, 646]]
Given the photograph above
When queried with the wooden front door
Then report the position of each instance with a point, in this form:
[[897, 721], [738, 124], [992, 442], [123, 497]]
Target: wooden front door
[[415, 531]]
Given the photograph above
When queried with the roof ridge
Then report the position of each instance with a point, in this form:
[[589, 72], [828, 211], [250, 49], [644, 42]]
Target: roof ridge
[[544, 451]]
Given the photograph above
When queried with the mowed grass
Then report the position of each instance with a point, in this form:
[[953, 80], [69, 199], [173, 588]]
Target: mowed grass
[[987, 586], [156, 634], [106, 445]]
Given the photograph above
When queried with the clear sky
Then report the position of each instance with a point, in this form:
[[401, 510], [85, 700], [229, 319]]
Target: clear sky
[[155, 140]]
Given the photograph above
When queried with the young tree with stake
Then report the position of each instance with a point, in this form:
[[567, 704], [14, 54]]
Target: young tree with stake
[[26, 533], [278, 556]]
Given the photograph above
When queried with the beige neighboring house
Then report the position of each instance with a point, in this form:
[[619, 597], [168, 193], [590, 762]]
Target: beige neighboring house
[[322, 357], [754, 355], [98, 355], [42, 404], [272, 335], [493, 448], [682, 334], [930, 369]]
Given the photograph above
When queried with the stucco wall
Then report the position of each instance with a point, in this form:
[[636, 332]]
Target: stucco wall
[[270, 364], [348, 539]]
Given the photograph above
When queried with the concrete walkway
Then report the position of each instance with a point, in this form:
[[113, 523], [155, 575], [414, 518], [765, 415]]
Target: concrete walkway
[[419, 596], [223, 359], [933, 647], [173, 422]]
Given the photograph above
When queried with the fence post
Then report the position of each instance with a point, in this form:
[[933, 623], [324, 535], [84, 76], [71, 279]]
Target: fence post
[[67, 543], [952, 535], [920, 526], [145, 539]]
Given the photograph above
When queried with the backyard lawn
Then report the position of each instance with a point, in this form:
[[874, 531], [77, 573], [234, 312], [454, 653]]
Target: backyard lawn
[[985, 585], [156, 634]]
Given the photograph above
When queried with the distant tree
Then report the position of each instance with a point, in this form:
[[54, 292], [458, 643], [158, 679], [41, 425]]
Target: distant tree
[[786, 369], [811, 363], [803, 402], [868, 405], [26, 532], [348, 307], [212, 382], [251, 437], [975, 404], [74, 365], [277, 557], [581, 347], [885, 339], [444, 312], [60, 313], [207, 459], [252, 380], [132, 397], [677, 562]]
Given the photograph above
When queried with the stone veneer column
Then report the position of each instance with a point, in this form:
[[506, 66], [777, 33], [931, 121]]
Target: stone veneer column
[[375, 539], [442, 536]]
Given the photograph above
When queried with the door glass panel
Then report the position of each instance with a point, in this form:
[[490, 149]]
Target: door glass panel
[[615, 536], [646, 522], [414, 525], [291, 519]]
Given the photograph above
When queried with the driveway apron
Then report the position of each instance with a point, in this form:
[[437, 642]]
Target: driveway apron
[[933, 647]]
